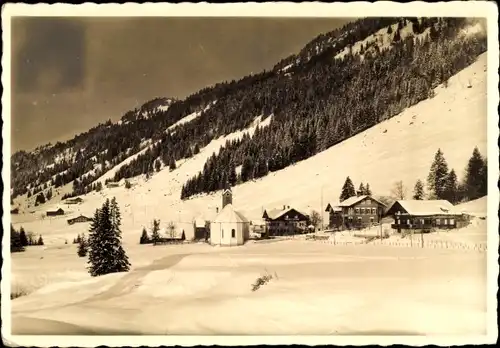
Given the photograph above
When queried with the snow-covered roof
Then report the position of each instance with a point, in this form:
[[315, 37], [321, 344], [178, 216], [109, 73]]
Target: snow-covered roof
[[276, 213], [54, 209], [230, 215], [427, 207], [258, 222], [356, 199], [199, 222]]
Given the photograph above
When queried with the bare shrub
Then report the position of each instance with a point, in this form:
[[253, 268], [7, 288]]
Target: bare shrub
[[262, 280]]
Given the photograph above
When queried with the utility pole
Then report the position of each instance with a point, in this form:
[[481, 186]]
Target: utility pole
[[321, 210]]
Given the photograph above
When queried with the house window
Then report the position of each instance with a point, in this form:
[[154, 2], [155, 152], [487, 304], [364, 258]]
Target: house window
[[356, 210], [438, 221], [371, 220], [374, 211], [362, 210], [233, 233], [452, 221], [445, 222]]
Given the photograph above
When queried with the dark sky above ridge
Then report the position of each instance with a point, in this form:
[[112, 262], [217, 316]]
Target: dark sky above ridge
[[68, 74]]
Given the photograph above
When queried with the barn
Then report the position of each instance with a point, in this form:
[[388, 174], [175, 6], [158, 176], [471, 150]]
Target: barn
[[80, 218], [55, 211]]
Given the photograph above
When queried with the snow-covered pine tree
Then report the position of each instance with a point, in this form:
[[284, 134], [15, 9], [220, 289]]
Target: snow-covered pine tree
[[348, 190], [418, 191], [96, 255], [120, 259], [40, 240], [106, 254], [436, 180]]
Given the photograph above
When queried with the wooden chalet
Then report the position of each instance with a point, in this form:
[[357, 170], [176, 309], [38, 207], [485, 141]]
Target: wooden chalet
[[286, 221], [356, 212], [80, 218], [55, 212], [76, 200], [426, 215]]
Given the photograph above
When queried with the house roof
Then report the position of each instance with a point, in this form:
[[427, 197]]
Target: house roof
[[276, 213], [330, 207], [356, 199], [199, 222], [230, 215], [54, 209], [427, 207]]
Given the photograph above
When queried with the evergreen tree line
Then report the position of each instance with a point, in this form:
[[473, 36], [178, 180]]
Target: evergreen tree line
[[104, 245], [338, 99], [442, 183], [349, 191], [155, 233], [21, 239]]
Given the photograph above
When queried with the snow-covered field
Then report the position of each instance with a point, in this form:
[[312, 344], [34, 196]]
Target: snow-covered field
[[197, 289]]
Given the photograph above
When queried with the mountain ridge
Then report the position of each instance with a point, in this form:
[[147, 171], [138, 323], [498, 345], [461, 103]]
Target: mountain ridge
[[237, 102]]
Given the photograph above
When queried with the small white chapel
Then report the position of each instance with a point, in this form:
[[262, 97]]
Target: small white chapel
[[230, 227]]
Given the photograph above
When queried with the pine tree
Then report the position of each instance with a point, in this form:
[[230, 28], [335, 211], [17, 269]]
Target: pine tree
[[451, 188], [144, 237], [476, 176], [436, 180], [232, 175], [361, 190], [15, 241], [120, 259], [348, 190], [368, 191], [82, 246], [40, 240], [418, 191], [196, 149], [22, 237], [106, 254], [172, 164], [155, 231]]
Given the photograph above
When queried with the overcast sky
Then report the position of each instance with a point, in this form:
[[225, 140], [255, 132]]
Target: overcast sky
[[70, 74]]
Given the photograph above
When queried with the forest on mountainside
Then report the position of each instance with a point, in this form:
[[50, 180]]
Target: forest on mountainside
[[340, 98], [320, 101]]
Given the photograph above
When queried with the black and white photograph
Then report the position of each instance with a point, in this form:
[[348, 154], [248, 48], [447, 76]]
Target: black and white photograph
[[232, 174]]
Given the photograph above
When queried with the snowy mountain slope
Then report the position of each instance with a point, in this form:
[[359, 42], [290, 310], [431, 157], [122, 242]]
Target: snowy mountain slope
[[401, 148]]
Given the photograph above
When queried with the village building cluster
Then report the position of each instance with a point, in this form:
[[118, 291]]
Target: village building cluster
[[230, 227]]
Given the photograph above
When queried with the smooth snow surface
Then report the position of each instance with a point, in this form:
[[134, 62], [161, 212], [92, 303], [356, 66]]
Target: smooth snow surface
[[316, 289]]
